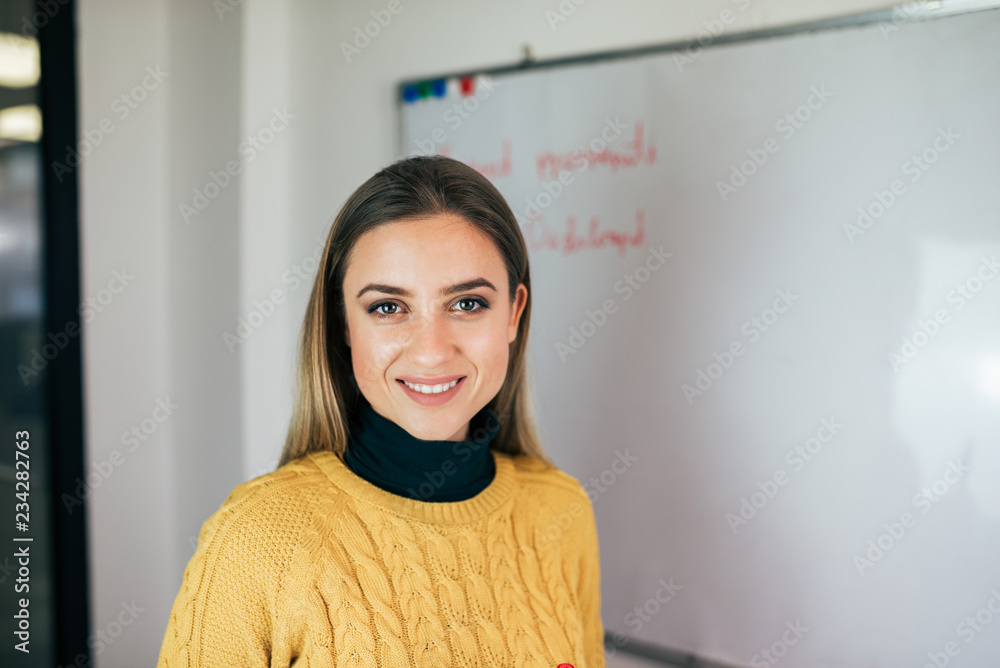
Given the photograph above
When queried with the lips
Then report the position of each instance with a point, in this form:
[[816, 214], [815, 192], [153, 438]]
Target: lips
[[435, 394]]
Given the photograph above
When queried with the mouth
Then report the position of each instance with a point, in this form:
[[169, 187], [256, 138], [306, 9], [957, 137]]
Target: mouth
[[428, 394]]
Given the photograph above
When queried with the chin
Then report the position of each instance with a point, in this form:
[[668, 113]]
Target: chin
[[433, 430]]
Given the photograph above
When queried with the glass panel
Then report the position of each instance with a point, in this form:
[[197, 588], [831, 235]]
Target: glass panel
[[24, 468]]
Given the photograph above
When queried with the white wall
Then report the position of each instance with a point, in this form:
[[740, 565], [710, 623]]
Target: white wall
[[163, 335], [125, 221]]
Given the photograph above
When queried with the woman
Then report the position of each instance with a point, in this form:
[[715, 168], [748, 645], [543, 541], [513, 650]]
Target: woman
[[414, 519]]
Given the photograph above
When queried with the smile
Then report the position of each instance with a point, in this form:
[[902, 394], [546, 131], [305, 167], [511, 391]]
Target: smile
[[431, 389], [432, 395]]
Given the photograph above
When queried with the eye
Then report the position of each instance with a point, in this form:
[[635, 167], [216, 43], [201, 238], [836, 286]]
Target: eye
[[468, 304], [377, 309]]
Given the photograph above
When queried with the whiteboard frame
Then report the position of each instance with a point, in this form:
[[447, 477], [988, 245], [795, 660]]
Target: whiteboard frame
[[900, 14]]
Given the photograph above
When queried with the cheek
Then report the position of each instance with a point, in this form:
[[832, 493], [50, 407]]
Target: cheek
[[377, 356], [489, 352], [372, 350]]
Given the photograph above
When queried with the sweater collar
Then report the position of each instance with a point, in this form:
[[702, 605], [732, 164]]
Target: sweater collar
[[389, 457]]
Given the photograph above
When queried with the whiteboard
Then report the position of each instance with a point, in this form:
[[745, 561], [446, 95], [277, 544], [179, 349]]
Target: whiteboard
[[789, 420]]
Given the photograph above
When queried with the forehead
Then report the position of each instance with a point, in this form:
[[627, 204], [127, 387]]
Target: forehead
[[422, 249]]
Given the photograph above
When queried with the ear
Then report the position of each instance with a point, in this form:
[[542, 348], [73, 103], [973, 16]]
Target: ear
[[520, 300]]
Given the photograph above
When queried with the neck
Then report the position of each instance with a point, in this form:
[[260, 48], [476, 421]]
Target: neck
[[389, 457]]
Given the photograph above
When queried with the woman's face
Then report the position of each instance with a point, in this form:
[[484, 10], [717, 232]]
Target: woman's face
[[427, 302]]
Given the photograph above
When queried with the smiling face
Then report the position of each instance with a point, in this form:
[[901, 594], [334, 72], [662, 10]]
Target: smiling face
[[427, 302]]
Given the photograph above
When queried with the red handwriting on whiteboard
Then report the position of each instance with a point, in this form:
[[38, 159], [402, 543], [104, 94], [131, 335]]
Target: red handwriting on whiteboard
[[636, 154], [491, 170], [539, 237]]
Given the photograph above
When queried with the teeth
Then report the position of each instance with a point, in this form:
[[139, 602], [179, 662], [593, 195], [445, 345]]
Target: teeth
[[432, 389]]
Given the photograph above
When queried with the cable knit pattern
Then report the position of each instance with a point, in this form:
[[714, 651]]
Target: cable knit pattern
[[311, 565], [511, 594]]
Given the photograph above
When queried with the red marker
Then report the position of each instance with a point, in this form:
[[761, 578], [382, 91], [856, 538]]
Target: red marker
[[468, 86]]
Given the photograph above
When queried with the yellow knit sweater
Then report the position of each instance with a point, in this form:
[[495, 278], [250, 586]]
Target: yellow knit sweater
[[311, 565]]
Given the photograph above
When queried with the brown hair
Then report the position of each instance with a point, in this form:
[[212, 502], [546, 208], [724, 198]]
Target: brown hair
[[416, 187]]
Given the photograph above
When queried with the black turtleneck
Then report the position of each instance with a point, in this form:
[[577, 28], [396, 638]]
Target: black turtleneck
[[389, 457]]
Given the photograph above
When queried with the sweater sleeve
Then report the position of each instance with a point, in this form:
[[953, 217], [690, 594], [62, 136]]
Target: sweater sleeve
[[223, 612], [590, 589]]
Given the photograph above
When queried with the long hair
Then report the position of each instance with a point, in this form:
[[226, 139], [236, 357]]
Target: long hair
[[326, 391]]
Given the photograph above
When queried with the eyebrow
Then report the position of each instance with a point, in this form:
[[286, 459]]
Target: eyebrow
[[402, 292]]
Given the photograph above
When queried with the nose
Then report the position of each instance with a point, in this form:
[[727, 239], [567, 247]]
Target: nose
[[431, 344]]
